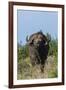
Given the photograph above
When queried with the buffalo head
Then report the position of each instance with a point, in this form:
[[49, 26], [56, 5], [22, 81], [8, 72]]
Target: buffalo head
[[37, 39]]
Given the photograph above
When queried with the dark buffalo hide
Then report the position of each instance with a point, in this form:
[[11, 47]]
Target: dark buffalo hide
[[38, 49]]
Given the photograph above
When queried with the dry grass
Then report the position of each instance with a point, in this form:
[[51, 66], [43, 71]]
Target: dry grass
[[26, 71]]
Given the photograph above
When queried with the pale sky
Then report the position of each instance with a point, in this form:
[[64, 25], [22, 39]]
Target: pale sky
[[29, 22]]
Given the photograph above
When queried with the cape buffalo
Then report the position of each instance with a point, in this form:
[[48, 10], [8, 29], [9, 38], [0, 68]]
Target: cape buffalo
[[38, 45]]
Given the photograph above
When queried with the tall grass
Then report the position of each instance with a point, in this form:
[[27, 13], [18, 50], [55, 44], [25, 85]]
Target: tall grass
[[25, 69]]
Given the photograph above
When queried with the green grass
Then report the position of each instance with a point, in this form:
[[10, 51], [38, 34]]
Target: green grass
[[26, 71]]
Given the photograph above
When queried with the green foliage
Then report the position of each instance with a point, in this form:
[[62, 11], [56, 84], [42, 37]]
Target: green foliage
[[23, 52], [24, 69], [52, 74], [53, 47], [53, 51], [23, 62], [48, 37]]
